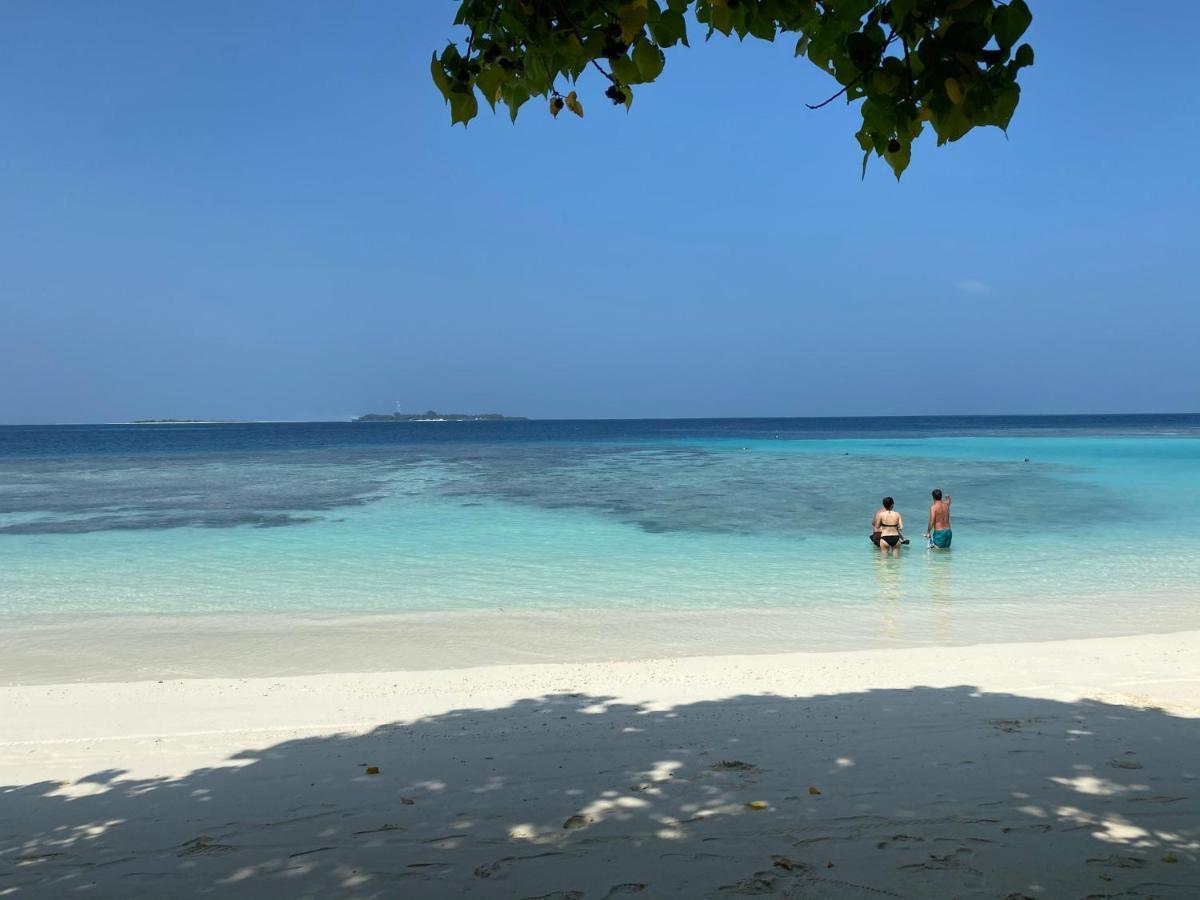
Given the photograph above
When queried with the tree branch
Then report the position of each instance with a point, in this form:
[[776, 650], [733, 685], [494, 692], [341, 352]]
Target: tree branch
[[857, 78]]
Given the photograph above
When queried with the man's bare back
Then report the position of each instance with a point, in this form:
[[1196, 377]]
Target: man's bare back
[[938, 530], [939, 515]]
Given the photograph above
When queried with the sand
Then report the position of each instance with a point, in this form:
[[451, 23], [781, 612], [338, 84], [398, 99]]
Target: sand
[[1053, 769]]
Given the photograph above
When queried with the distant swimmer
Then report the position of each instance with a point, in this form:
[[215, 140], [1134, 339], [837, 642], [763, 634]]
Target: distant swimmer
[[938, 531], [887, 526]]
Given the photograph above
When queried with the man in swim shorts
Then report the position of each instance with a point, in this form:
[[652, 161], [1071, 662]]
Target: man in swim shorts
[[938, 531]]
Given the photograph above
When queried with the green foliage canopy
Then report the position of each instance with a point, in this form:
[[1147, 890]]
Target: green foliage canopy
[[950, 63]]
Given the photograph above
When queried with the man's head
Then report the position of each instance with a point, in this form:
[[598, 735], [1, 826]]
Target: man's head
[[937, 493], [887, 502]]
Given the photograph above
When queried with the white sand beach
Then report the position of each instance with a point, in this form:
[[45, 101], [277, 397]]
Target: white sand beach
[[1054, 769]]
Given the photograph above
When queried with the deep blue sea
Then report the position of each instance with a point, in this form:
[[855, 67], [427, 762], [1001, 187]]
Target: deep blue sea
[[1086, 516]]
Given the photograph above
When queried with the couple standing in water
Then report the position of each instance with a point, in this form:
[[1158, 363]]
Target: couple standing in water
[[888, 526]]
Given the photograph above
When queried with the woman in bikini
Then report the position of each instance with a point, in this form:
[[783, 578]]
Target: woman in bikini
[[888, 524]]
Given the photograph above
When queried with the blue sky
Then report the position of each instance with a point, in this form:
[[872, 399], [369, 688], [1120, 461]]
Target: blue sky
[[260, 210]]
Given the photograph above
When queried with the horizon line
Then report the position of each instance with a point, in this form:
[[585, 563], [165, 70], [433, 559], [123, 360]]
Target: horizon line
[[610, 419]]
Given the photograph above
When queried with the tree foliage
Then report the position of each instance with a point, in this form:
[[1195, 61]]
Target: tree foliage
[[950, 63]]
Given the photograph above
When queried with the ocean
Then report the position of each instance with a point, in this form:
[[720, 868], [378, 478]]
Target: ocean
[[1085, 523]]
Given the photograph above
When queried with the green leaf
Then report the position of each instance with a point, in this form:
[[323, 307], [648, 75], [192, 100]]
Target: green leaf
[[763, 27], [1004, 104], [514, 96], [802, 45], [899, 157], [489, 81], [901, 10], [648, 59], [439, 78], [463, 106], [951, 124], [1024, 56], [626, 70], [1009, 22], [632, 18], [670, 29]]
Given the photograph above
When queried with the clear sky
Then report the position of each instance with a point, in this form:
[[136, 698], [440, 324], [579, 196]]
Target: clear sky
[[260, 210]]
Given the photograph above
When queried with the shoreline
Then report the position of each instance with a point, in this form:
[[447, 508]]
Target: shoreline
[[54, 649], [1060, 768]]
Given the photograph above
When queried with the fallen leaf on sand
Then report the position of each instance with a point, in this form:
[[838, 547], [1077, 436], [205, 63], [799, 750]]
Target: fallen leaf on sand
[[732, 765], [372, 770], [812, 790], [1170, 858], [784, 863], [757, 804], [577, 821]]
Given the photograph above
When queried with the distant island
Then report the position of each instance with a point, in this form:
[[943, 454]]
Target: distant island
[[434, 416]]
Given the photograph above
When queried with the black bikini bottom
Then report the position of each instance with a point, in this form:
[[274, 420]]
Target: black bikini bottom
[[892, 539]]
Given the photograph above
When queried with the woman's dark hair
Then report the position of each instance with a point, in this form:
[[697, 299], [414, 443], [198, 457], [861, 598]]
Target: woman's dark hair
[[887, 502], [937, 493]]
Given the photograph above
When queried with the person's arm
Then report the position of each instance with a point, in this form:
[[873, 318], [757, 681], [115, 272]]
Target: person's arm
[[929, 524], [875, 522], [899, 522]]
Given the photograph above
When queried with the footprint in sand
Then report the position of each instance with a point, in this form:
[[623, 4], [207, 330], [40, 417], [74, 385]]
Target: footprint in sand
[[622, 890], [1117, 861], [204, 846], [733, 765], [899, 839], [1035, 828], [489, 869]]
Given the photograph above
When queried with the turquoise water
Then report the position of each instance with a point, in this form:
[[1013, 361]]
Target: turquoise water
[[399, 517]]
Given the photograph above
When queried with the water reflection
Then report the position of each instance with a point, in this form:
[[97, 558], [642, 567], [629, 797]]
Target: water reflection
[[937, 565], [887, 579]]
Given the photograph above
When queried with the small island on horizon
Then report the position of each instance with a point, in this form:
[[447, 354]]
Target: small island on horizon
[[434, 416]]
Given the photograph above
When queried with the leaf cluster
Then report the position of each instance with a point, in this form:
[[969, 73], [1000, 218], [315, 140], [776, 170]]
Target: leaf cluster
[[952, 64]]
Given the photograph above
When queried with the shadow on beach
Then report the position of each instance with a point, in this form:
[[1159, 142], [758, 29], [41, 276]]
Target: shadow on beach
[[922, 793]]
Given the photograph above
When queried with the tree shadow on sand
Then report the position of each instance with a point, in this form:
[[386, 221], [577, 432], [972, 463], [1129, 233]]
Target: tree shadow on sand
[[923, 793]]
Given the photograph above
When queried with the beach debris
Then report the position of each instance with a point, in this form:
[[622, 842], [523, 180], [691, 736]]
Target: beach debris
[[577, 821], [372, 770], [783, 862], [829, 863], [1170, 858], [641, 786], [558, 895], [407, 801], [387, 826], [308, 852], [733, 765], [757, 804], [813, 791], [1120, 763]]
